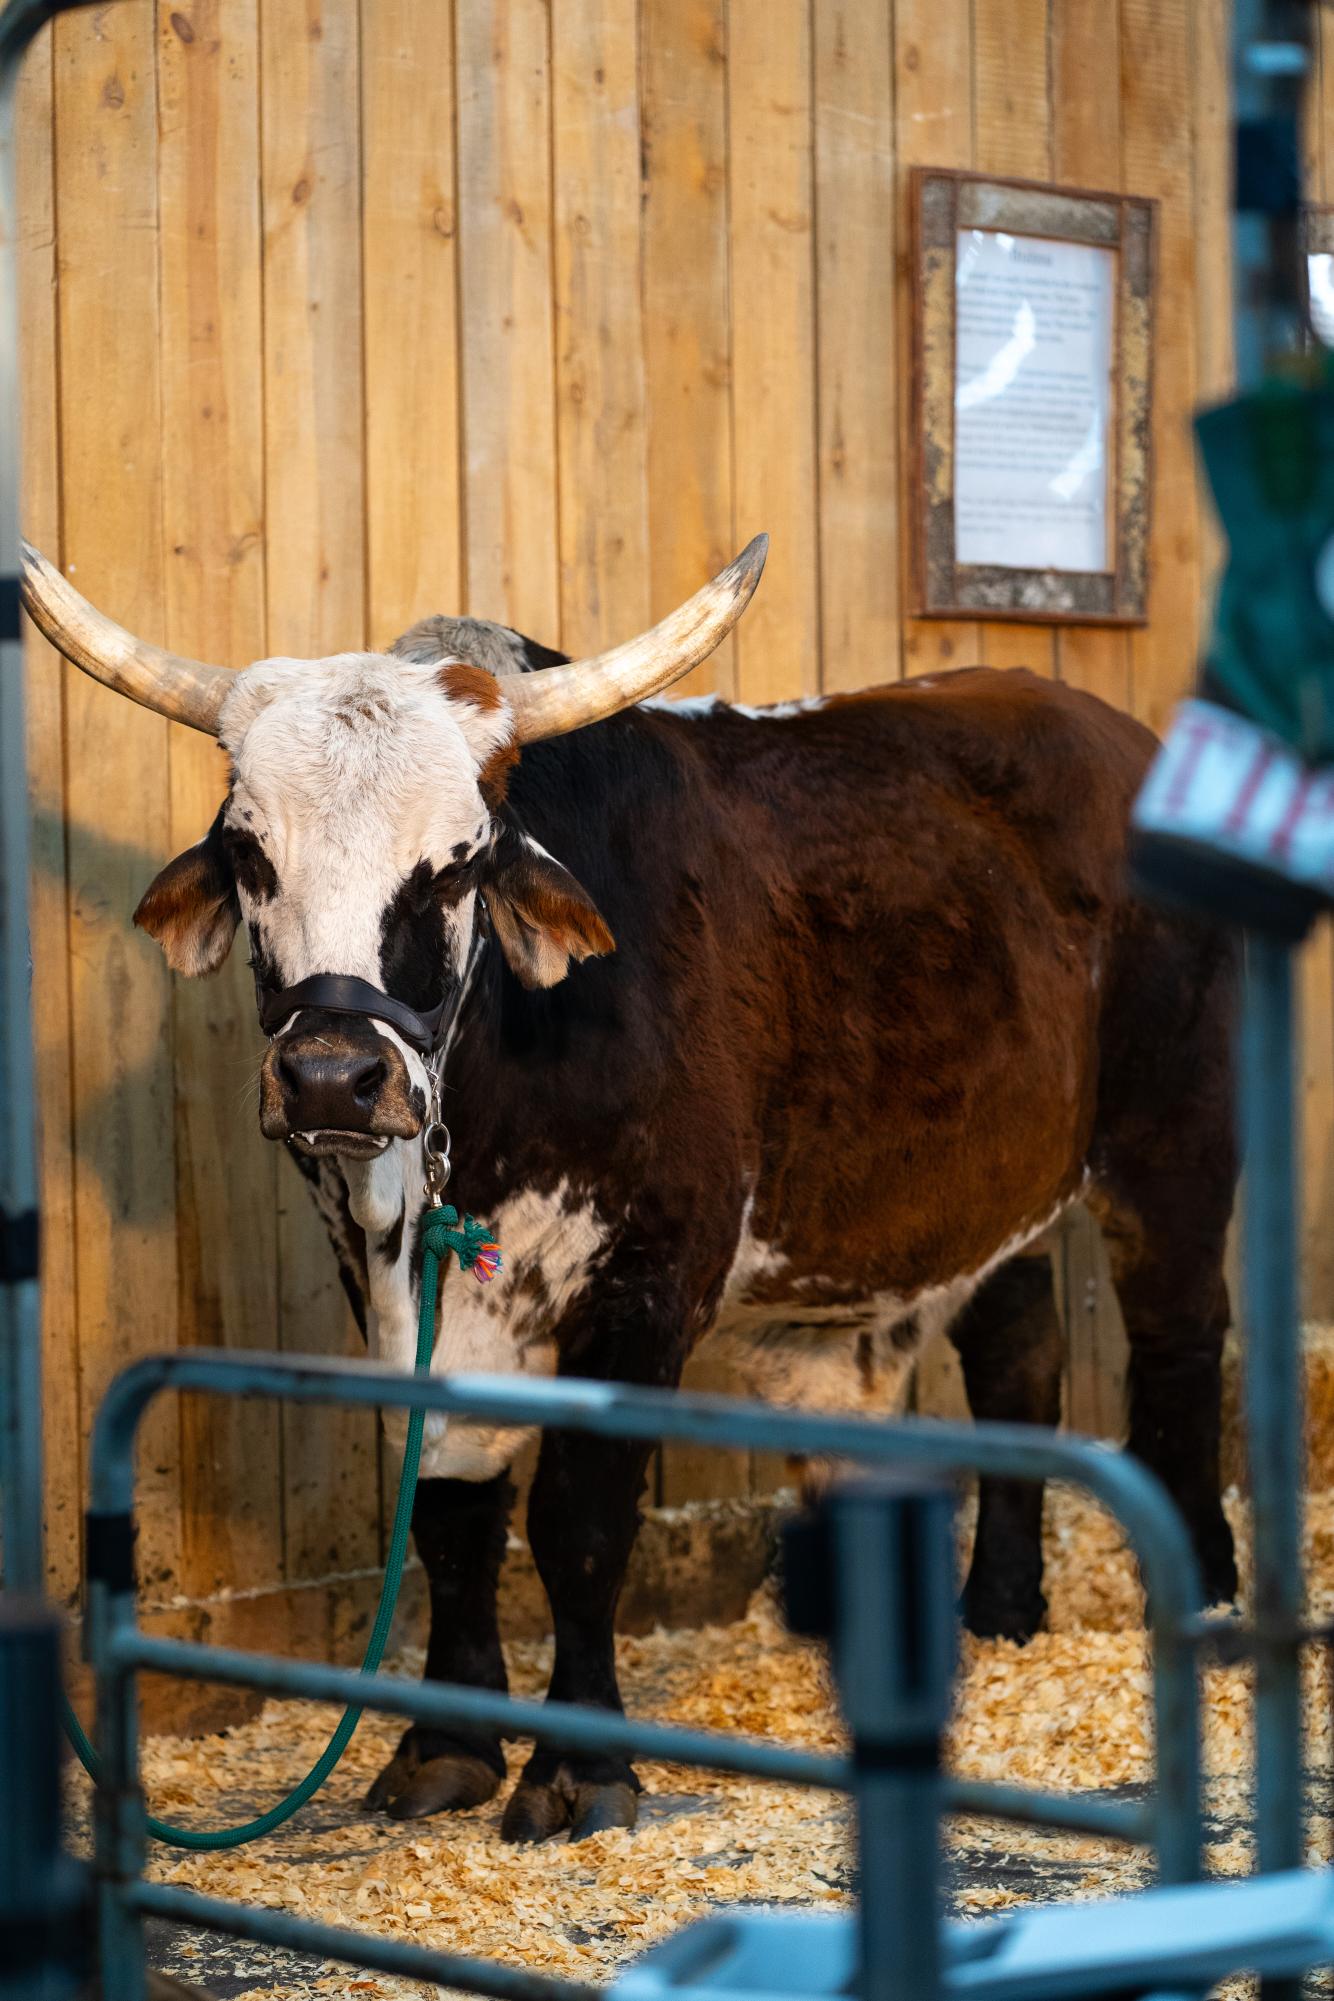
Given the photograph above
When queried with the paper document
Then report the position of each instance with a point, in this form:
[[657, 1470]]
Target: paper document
[[1034, 335]]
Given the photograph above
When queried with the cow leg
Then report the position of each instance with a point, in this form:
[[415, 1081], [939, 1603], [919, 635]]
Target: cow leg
[[1009, 1342], [459, 1529], [583, 1516], [1164, 1169], [1167, 1264]]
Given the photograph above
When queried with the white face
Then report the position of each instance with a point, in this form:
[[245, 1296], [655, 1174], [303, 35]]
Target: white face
[[364, 821], [355, 776]]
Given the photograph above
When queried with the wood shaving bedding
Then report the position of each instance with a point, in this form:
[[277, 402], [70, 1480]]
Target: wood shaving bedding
[[1070, 1712]]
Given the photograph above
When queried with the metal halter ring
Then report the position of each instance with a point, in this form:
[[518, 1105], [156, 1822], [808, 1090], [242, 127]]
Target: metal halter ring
[[435, 1145]]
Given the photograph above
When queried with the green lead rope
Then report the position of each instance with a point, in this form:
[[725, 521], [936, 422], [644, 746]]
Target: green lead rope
[[475, 1249]]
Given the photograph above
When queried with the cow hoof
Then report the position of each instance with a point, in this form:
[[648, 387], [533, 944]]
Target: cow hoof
[[599, 1807], [536, 1811], [410, 1788], [993, 1616]]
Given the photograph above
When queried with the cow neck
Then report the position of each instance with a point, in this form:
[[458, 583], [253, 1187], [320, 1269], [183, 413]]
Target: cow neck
[[502, 1130], [387, 1195], [505, 1088]]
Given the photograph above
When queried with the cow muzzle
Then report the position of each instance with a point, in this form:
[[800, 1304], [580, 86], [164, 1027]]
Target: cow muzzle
[[331, 1090]]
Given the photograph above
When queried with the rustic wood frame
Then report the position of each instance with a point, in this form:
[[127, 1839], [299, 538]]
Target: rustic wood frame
[[942, 201]]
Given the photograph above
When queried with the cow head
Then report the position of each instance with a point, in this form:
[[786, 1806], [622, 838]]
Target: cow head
[[364, 833]]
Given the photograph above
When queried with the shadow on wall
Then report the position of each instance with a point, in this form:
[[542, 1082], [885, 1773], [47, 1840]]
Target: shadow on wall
[[151, 1055]]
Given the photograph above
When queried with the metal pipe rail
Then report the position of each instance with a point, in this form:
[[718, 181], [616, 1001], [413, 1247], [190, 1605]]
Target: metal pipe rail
[[1153, 1527], [570, 1726], [368, 1949]]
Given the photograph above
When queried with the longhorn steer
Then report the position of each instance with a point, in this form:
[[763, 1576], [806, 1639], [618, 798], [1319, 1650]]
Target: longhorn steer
[[879, 1008]]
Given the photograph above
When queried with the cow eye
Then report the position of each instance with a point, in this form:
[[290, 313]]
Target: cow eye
[[455, 879]]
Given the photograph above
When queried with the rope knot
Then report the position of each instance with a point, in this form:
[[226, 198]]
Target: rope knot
[[471, 1242]]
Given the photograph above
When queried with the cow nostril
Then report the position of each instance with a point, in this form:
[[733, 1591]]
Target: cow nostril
[[321, 1086], [369, 1080]]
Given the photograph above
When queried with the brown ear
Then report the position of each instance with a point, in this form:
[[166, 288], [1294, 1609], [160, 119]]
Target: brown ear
[[191, 908], [542, 916]]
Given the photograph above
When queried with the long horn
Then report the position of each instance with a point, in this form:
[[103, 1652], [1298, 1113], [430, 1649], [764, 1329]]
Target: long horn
[[560, 699], [187, 691]]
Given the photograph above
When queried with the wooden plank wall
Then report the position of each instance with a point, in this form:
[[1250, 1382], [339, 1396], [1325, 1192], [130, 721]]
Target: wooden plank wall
[[340, 311]]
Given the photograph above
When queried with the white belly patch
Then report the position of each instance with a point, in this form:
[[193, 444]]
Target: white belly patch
[[850, 1357], [770, 1341]]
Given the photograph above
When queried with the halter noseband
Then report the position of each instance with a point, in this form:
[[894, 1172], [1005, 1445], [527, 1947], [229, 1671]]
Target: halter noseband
[[426, 1030], [341, 993]]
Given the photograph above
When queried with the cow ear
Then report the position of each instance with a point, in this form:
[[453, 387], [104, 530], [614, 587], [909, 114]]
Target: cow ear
[[542, 916], [191, 908]]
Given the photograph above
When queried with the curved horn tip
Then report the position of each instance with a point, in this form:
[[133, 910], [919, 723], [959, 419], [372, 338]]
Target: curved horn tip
[[34, 568], [748, 565]]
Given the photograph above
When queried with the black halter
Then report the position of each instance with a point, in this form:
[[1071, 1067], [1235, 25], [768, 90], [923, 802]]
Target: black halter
[[341, 993], [423, 1029]]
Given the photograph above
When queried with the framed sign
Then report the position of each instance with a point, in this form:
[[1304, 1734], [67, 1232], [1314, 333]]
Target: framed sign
[[1318, 226], [1033, 325]]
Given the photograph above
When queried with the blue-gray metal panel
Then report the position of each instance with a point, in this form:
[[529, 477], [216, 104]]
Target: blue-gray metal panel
[[568, 1726], [1273, 1392], [43, 1892], [573, 1727], [1155, 1530], [382, 1955], [1183, 1938], [1141, 1504]]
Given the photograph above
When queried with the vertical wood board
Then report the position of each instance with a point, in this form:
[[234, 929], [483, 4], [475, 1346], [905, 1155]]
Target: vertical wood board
[[44, 693], [116, 754], [772, 214], [314, 497], [212, 498], [600, 441], [409, 214], [506, 303], [858, 380], [686, 323]]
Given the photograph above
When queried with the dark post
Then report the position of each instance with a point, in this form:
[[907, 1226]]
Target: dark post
[[893, 1649], [43, 1905]]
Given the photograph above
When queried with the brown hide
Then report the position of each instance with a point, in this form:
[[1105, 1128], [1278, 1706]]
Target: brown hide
[[939, 914]]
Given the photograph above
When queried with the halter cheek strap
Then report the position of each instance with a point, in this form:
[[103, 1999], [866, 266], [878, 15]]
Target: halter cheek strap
[[342, 993]]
